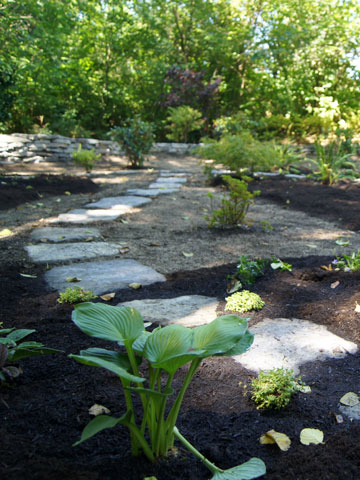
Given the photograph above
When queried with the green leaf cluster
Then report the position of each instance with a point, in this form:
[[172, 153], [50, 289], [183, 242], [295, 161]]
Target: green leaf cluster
[[11, 351], [274, 388], [183, 120], [136, 138], [248, 271], [244, 301], [76, 295], [333, 163], [164, 350], [348, 263], [235, 205], [85, 158]]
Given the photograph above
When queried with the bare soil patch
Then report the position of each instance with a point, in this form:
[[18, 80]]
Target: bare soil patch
[[45, 410]]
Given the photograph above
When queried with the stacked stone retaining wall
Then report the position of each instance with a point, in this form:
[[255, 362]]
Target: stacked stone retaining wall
[[36, 148]]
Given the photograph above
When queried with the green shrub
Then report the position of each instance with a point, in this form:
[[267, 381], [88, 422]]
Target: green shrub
[[241, 153], [183, 120], [235, 205], [244, 301], [165, 350], [76, 295], [11, 351], [136, 138], [248, 271], [274, 389], [333, 163], [85, 158]]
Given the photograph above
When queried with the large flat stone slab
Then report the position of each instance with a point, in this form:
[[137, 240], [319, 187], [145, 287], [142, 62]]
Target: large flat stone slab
[[54, 253], [171, 180], [83, 216], [103, 276], [163, 186], [151, 192], [59, 235], [289, 343], [188, 310], [122, 204]]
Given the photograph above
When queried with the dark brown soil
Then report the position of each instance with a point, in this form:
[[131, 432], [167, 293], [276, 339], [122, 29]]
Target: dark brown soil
[[44, 411]]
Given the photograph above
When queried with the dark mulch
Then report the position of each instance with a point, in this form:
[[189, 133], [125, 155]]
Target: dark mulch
[[46, 408], [16, 189]]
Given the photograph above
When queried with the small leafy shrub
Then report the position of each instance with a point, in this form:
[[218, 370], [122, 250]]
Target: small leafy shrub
[[277, 264], [348, 263], [136, 138], [11, 351], [288, 157], [183, 120], [274, 389], [235, 206], [241, 153], [164, 350], [244, 301], [248, 271], [76, 295], [333, 163], [85, 158]]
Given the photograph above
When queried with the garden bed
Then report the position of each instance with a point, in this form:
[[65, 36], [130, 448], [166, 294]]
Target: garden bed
[[46, 408]]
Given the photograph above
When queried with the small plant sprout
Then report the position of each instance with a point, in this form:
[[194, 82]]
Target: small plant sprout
[[85, 158], [76, 295], [348, 263], [244, 301], [164, 350], [247, 272], [11, 351], [235, 205], [274, 388], [277, 264]]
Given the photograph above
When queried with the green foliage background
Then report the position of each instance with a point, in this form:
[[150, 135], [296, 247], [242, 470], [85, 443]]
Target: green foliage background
[[81, 67]]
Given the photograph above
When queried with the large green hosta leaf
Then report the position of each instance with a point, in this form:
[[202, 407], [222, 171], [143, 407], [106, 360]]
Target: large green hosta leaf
[[219, 336], [254, 468], [242, 346], [108, 364], [97, 425], [118, 324], [169, 347]]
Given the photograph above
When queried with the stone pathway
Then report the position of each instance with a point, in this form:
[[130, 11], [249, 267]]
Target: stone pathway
[[279, 343]]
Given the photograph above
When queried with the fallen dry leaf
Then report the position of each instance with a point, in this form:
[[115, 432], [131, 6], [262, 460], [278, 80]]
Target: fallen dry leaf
[[335, 284], [350, 399], [107, 296], [124, 250], [311, 435], [328, 268], [186, 254], [135, 286], [281, 440], [73, 279], [154, 244], [5, 233], [27, 275], [97, 409], [339, 418], [357, 308]]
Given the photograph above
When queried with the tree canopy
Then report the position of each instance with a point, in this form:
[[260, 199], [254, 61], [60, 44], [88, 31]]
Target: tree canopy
[[81, 67]]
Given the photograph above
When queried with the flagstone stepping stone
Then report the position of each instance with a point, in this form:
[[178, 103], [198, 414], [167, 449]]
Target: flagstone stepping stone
[[87, 216], [289, 343], [188, 310], [164, 186], [171, 180], [58, 235], [54, 253], [122, 204], [103, 276], [174, 173], [151, 192]]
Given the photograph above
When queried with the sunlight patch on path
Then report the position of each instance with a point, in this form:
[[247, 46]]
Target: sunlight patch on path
[[289, 343]]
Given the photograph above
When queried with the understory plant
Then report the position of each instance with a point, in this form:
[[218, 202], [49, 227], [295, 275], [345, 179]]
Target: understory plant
[[274, 388], [137, 138], [11, 351], [182, 121], [247, 271], [85, 158], [233, 206], [76, 295], [277, 264], [164, 351], [244, 301], [333, 163], [348, 263]]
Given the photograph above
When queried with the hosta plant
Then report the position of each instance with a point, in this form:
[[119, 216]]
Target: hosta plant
[[11, 351], [164, 351]]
